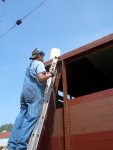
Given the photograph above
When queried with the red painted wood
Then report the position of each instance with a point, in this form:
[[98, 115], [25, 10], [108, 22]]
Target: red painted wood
[[91, 123], [91, 97], [66, 109], [90, 141], [57, 143], [93, 141], [93, 116]]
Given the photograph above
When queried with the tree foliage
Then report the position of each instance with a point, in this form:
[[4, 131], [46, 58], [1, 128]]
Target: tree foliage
[[6, 127]]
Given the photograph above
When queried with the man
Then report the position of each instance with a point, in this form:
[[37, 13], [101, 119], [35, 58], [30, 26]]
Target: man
[[31, 101]]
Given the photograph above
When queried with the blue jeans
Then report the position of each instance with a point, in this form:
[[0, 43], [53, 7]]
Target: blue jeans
[[31, 105]]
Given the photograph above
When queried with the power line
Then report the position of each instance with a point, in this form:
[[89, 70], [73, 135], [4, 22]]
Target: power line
[[34, 9], [7, 31], [19, 21]]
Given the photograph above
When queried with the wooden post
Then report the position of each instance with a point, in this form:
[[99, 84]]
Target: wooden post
[[66, 109]]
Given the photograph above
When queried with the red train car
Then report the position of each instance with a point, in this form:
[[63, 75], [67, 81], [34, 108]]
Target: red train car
[[80, 113]]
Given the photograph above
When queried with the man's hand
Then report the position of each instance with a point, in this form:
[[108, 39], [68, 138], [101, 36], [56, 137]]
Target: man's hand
[[52, 72]]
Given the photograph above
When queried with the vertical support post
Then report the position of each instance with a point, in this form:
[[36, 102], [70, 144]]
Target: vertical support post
[[66, 109]]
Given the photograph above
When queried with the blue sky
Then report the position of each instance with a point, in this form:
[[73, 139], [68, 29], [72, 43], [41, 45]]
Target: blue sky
[[65, 24]]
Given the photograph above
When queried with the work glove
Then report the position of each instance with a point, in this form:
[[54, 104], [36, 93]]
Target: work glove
[[52, 72]]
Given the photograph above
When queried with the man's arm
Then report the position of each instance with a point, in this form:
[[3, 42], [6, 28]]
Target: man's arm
[[44, 76]]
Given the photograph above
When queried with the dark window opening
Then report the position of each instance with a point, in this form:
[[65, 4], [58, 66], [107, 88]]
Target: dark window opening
[[91, 73]]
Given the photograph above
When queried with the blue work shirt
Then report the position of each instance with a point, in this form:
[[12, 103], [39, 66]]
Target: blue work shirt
[[35, 68], [32, 88]]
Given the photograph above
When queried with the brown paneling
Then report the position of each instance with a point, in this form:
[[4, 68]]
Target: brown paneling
[[91, 97], [93, 141], [57, 143], [58, 123], [91, 123], [93, 116], [89, 141]]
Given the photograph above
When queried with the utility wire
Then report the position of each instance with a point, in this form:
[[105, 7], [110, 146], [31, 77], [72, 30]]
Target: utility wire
[[34, 9], [19, 21], [7, 32]]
